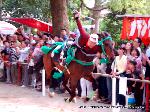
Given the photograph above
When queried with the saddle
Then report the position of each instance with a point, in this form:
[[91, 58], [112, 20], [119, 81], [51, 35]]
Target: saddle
[[58, 50]]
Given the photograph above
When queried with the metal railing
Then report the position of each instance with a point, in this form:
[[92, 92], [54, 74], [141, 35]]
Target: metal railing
[[147, 82]]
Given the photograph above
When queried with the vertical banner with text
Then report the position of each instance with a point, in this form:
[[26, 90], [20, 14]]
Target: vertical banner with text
[[134, 27]]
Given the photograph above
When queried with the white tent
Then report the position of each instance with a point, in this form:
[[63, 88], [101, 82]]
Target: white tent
[[7, 28]]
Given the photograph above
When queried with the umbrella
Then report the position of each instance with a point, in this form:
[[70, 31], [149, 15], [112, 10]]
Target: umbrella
[[34, 23], [7, 28]]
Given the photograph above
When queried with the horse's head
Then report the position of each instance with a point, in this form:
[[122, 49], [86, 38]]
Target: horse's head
[[106, 43]]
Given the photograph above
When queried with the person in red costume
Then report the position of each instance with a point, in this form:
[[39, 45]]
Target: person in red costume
[[87, 42]]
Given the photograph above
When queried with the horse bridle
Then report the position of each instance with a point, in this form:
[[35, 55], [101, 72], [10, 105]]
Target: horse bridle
[[101, 43]]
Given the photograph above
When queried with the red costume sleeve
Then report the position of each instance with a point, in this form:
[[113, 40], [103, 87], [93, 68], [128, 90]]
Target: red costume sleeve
[[84, 36]]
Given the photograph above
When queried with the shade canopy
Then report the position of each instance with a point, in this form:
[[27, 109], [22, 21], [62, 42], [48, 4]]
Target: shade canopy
[[7, 28], [34, 23]]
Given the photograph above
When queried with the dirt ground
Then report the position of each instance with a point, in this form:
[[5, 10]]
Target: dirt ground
[[17, 99]]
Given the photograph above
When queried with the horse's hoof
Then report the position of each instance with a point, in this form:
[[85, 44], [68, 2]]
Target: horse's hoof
[[74, 100], [85, 100], [67, 100], [51, 94]]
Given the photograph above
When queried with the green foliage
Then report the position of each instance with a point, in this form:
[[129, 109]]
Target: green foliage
[[76, 5], [112, 25], [120, 7], [33, 8], [131, 6]]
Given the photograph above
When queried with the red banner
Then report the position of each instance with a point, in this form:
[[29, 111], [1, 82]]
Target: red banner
[[136, 27]]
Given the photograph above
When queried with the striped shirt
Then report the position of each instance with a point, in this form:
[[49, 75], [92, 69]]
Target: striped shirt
[[13, 57]]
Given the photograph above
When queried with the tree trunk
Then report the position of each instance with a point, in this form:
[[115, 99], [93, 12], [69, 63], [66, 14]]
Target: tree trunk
[[59, 16], [96, 15]]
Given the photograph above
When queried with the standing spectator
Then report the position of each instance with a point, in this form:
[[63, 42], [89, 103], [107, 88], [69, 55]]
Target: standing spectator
[[118, 68], [86, 89], [137, 44], [24, 53], [128, 49], [37, 57], [101, 81], [56, 38], [5, 55], [138, 88], [120, 62], [146, 62], [129, 73], [13, 57], [64, 36], [1, 44], [135, 55]]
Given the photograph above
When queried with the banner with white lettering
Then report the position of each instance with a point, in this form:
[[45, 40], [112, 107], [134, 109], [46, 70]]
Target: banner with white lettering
[[136, 27]]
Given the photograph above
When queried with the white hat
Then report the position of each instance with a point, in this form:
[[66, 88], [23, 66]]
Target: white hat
[[94, 38]]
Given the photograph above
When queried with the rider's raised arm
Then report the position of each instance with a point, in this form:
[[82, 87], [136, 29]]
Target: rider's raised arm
[[81, 29]]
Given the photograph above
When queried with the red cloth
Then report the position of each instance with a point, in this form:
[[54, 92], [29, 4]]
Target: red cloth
[[136, 27], [83, 39]]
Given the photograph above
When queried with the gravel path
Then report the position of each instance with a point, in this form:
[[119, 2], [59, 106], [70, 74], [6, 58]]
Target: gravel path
[[16, 99]]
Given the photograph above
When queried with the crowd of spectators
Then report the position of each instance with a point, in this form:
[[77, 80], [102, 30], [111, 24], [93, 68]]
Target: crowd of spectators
[[21, 52]]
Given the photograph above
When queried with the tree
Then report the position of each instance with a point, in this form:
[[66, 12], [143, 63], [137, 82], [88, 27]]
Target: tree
[[29, 8], [96, 10], [59, 15], [131, 6], [112, 24]]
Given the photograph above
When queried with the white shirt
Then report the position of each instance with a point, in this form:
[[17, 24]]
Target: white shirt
[[24, 52], [119, 64], [148, 52]]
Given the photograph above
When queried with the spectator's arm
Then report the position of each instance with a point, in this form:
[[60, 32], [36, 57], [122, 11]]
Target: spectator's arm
[[142, 77], [39, 34], [23, 33], [148, 61]]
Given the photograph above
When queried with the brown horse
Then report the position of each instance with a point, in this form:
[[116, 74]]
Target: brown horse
[[76, 70]]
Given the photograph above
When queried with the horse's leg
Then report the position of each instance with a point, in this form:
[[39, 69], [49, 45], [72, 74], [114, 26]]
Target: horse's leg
[[73, 86], [65, 81]]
